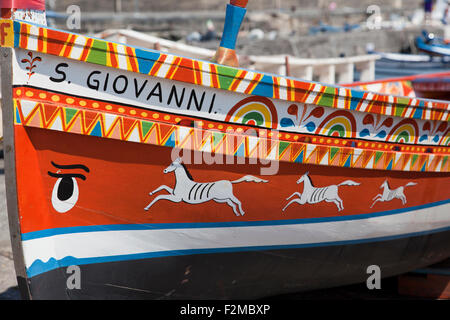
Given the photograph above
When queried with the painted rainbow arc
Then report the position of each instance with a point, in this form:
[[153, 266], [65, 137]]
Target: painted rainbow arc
[[254, 111]]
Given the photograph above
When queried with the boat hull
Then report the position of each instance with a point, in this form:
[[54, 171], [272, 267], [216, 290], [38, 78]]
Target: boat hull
[[433, 48], [182, 250], [389, 68], [152, 168]]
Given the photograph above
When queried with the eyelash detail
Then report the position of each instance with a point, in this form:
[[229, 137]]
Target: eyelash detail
[[67, 175], [71, 167]]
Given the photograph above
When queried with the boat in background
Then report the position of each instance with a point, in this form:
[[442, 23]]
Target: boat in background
[[395, 65], [429, 86], [137, 174]]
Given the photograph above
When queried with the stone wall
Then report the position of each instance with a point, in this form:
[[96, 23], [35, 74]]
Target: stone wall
[[177, 19], [176, 5]]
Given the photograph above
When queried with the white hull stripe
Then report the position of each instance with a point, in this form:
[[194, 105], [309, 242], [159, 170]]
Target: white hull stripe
[[45, 254], [141, 226]]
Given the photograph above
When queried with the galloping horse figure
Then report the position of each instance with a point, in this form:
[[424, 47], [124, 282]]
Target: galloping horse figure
[[314, 195], [189, 191], [389, 195]]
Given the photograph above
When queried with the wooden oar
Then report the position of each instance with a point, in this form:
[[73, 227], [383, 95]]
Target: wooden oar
[[226, 53]]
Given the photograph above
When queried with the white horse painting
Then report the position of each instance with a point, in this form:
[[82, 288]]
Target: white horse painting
[[313, 195], [389, 194], [189, 191]]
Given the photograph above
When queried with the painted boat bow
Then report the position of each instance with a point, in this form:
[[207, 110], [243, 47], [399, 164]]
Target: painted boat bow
[[104, 118]]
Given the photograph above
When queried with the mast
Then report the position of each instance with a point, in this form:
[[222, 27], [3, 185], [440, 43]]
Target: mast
[[235, 14]]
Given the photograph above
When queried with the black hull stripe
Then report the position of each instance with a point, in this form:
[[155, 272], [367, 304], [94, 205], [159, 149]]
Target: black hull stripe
[[294, 270]]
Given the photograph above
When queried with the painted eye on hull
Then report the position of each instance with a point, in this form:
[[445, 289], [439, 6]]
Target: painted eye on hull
[[65, 191], [65, 194]]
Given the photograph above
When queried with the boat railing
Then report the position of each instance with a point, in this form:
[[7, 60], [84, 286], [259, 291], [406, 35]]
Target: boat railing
[[328, 70]]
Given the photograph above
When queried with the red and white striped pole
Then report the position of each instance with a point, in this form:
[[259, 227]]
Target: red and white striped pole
[[26, 10]]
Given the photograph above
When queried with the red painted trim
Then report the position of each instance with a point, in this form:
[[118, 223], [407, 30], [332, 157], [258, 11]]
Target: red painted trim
[[23, 4], [6, 3], [239, 3]]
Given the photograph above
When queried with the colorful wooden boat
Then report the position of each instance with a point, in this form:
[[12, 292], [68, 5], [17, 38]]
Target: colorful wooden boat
[[395, 65], [133, 173]]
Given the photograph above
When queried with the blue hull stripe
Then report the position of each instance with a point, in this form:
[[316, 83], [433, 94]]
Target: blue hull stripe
[[161, 226]]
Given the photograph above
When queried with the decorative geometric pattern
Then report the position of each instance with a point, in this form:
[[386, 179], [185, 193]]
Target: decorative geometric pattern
[[153, 63], [125, 128], [258, 113]]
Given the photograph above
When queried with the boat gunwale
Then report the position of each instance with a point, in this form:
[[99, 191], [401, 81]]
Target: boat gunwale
[[425, 109]]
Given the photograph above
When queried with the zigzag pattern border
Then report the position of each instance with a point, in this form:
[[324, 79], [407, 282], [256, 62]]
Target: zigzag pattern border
[[47, 97], [114, 126]]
